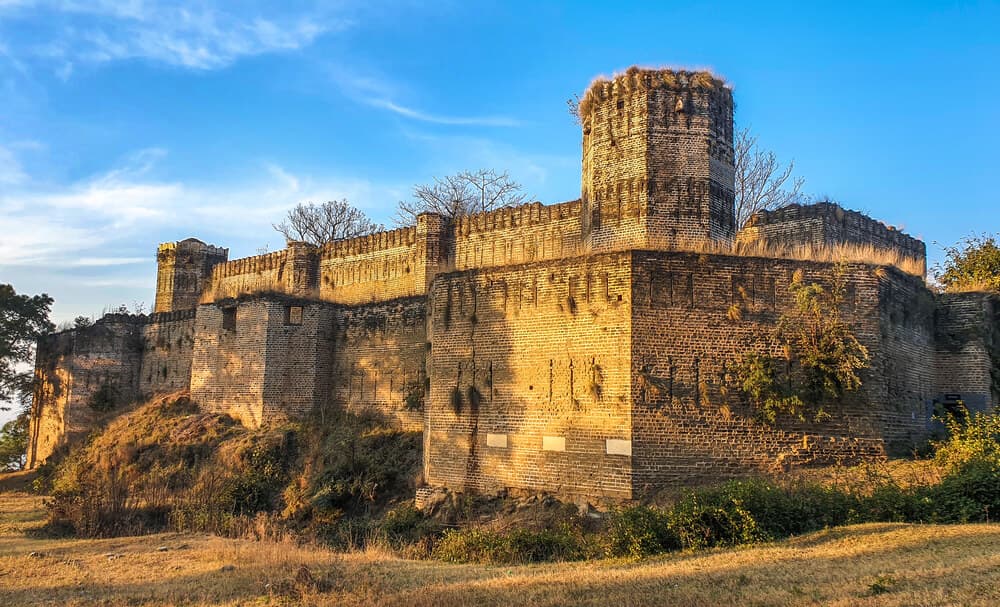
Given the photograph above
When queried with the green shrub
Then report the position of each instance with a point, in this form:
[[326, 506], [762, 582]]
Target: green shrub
[[477, 545], [639, 531]]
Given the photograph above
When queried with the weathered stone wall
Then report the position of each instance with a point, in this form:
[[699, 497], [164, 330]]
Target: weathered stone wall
[[529, 378], [75, 367], [968, 349], [531, 232], [827, 224], [262, 359], [657, 160], [168, 345], [183, 270], [379, 354]]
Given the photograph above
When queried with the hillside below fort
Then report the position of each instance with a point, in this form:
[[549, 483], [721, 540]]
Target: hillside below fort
[[584, 348]]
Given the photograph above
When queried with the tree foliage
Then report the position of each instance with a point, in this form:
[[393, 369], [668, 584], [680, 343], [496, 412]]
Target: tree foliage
[[819, 343], [971, 265], [318, 224], [23, 318], [14, 442], [762, 183], [461, 194]]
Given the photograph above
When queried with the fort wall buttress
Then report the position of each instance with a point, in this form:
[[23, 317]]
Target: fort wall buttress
[[968, 350], [80, 374], [228, 361], [529, 378]]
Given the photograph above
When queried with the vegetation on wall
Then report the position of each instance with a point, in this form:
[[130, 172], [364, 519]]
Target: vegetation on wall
[[821, 347]]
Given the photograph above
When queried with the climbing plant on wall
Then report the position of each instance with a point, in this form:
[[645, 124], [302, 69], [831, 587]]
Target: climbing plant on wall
[[818, 344]]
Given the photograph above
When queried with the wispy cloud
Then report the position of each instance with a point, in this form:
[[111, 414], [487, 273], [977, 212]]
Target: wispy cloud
[[198, 36], [501, 121], [382, 93]]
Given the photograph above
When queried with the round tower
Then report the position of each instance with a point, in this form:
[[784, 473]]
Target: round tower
[[657, 160]]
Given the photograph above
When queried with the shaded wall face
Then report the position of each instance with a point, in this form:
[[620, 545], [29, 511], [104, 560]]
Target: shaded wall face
[[168, 347], [529, 379], [695, 317], [379, 355], [80, 373], [228, 362], [905, 362], [968, 349]]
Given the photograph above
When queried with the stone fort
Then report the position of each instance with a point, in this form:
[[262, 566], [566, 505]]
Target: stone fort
[[581, 348]]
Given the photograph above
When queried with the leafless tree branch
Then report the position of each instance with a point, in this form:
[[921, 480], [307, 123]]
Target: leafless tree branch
[[762, 184], [319, 224], [461, 194]]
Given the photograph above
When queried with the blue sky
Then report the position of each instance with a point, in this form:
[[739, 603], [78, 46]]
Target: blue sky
[[125, 124]]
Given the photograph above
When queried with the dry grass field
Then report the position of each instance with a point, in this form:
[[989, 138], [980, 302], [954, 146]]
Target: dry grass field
[[878, 564]]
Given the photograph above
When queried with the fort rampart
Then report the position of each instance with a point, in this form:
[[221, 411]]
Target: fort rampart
[[585, 348]]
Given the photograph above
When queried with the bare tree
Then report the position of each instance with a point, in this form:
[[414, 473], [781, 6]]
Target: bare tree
[[762, 184], [461, 194], [319, 224]]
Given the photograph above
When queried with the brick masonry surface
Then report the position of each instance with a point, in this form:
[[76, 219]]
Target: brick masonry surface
[[578, 348]]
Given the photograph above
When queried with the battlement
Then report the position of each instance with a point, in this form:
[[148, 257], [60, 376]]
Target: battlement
[[825, 224], [372, 243], [636, 79], [191, 245]]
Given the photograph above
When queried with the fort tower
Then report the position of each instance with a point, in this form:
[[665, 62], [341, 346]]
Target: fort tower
[[182, 269], [657, 160]]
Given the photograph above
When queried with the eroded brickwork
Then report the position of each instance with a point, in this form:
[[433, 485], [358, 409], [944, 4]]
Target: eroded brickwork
[[529, 378], [379, 360], [76, 367], [657, 160]]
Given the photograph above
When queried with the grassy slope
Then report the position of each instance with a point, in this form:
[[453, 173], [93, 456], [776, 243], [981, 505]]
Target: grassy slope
[[921, 565]]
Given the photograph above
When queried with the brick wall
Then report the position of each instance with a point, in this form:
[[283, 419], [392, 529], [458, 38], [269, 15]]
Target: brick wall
[[529, 377], [70, 368], [531, 232], [168, 345], [968, 348], [657, 160], [379, 354], [227, 367]]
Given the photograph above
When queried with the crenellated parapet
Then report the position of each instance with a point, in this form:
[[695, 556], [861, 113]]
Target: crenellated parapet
[[828, 224]]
